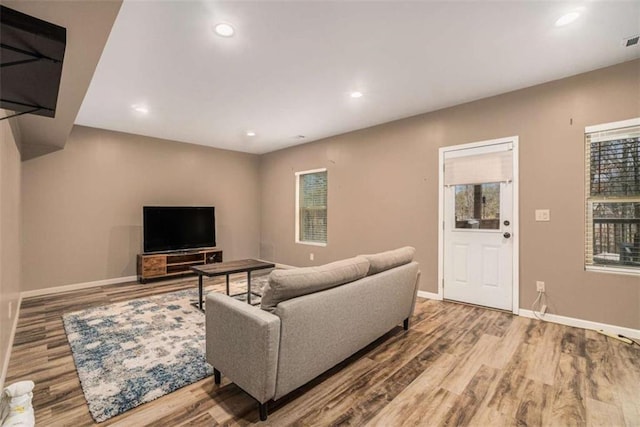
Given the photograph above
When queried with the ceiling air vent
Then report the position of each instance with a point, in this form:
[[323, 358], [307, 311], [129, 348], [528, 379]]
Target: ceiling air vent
[[631, 41]]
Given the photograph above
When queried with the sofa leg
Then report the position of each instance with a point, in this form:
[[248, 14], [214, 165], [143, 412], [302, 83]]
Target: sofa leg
[[263, 411], [405, 324], [216, 376]]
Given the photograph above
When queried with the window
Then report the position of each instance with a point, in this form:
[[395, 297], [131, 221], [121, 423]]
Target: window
[[478, 206], [613, 197], [311, 207]]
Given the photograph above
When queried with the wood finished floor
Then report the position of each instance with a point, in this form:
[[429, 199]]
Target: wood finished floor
[[457, 365]]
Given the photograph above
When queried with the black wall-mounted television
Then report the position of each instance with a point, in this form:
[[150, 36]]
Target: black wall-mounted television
[[176, 228]]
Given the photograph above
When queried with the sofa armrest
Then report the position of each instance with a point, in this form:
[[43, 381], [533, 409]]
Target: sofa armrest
[[242, 342]]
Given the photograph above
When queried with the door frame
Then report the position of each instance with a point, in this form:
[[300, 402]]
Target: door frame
[[516, 213]]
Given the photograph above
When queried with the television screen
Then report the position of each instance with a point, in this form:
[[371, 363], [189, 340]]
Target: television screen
[[172, 228]]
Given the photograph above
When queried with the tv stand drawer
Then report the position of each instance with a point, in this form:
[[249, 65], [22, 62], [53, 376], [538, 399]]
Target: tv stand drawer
[[153, 266], [154, 262]]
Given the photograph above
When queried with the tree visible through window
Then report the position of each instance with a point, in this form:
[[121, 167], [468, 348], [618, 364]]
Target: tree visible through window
[[478, 206], [613, 198], [312, 207]]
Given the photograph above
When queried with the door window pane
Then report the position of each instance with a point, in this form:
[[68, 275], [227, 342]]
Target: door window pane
[[478, 206]]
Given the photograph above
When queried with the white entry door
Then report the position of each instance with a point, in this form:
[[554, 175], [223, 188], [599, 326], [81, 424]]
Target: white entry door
[[478, 236]]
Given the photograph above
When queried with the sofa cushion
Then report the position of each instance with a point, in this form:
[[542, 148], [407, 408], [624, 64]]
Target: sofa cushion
[[287, 284], [387, 260]]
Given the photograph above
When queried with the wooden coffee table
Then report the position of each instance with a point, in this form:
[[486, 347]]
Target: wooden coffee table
[[227, 268]]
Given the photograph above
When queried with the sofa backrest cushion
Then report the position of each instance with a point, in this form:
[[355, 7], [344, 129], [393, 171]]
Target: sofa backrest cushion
[[387, 260], [287, 284]]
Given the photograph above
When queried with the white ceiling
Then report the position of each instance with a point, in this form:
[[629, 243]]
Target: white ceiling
[[291, 66]]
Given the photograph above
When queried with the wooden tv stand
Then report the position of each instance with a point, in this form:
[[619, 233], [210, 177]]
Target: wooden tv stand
[[158, 266]]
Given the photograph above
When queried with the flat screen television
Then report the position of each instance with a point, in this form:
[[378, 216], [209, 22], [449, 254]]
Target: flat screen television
[[175, 228]]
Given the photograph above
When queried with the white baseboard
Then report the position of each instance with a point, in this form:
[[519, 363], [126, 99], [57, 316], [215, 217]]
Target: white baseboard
[[585, 324], [66, 288], [12, 336], [563, 320], [429, 295], [278, 265], [76, 286], [284, 266]]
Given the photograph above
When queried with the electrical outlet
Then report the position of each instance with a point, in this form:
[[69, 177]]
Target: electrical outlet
[[311, 256], [543, 215], [539, 286]]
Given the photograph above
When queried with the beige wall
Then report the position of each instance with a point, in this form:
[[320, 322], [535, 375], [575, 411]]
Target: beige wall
[[9, 239], [383, 188], [82, 206]]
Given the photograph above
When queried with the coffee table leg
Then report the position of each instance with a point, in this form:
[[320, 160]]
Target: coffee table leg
[[227, 284], [249, 287], [200, 291]]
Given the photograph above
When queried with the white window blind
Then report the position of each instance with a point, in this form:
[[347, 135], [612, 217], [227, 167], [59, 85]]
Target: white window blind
[[312, 207], [612, 212], [480, 168]]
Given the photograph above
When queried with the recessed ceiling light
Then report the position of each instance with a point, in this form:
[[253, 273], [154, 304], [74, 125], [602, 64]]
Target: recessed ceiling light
[[567, 19], [224, 30], [356, 94], [140, 108], [251, 133]]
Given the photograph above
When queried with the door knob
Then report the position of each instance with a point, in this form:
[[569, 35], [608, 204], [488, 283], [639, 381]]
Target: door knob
[[507, 235]]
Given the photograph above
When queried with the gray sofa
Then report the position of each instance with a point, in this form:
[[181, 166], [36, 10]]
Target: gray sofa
[[310, 319]]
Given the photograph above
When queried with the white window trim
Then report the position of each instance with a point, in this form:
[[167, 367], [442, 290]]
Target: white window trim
[[613, 125], [603, 128], [297, 213], [612, 270]]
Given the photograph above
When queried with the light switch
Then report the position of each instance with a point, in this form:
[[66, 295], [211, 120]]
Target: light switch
[[543, 215]]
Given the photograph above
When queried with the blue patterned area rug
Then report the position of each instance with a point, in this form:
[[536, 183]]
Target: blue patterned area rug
[[132, 352]]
